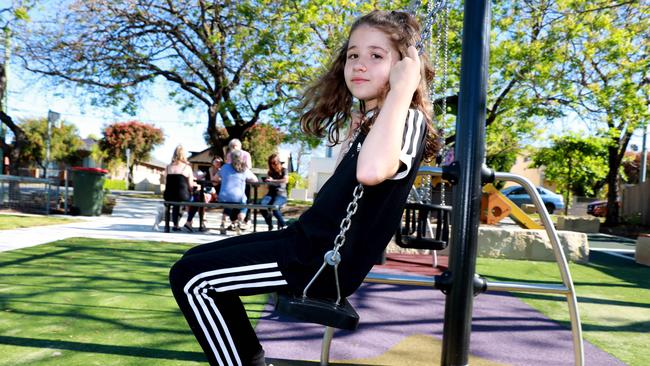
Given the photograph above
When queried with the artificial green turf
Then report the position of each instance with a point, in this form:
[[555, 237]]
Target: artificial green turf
[[613, 299], [95, 302], [19, 221]]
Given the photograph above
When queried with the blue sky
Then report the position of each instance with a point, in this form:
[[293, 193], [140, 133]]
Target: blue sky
[[28, 98]]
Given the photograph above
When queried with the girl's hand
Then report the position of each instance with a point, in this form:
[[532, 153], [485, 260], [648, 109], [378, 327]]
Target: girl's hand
[[405, 74]]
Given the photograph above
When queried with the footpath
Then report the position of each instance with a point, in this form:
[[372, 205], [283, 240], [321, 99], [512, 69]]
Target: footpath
[[132, 219]]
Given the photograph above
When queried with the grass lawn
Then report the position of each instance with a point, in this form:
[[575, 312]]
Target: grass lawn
[[8, 221], [95, 302], [107, 302], [613, 299]]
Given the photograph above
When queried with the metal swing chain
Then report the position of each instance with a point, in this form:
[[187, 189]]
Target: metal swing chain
[[333, 257]]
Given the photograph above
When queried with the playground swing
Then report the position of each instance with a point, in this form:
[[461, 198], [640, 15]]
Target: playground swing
[[465, 173], [416, 231], [340, 314]]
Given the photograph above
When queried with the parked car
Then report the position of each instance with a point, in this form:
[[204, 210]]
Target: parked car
[[599, 208], [519, 196]]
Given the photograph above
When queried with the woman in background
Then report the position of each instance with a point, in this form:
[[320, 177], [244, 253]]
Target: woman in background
[[277, 194]]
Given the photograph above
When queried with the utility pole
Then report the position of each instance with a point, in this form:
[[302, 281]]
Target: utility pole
[[5, 98], [644, 155], [52, 117], [128, 171]]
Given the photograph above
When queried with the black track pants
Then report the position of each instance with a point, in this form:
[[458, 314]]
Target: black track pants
[[207, 282]]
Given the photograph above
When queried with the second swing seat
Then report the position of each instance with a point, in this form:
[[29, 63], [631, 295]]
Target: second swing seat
[[416, 225]]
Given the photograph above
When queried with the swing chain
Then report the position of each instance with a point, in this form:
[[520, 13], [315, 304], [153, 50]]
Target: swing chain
[[333, 257]]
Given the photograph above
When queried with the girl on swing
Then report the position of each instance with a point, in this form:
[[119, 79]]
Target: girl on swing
[[380, 67]]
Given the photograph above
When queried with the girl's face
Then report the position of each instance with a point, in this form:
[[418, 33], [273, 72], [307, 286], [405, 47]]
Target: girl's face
[[370, 57]]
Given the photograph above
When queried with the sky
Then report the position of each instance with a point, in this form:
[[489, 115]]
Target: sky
[[30, 99]]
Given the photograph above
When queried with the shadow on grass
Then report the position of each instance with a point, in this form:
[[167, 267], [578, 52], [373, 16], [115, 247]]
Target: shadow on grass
[[96, 290], [102, 348]]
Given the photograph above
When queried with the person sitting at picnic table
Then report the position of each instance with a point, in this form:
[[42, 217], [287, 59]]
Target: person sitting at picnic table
[[199, 194], [277, 193], [215, 178], [234, 176], [235, 145], [179, 175]]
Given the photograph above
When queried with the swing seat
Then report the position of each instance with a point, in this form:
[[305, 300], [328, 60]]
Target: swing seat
[[413, 232], [320, 311]]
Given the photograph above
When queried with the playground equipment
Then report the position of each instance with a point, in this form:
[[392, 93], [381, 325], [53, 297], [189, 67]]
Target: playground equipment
[[495, 207], [467, 173]]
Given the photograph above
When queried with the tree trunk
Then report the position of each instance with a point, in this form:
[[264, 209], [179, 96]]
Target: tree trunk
[[612, 187], [20, 140], [214, 141]]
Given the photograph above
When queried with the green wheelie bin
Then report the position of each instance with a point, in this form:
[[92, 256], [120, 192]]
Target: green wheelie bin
[[88, 193]]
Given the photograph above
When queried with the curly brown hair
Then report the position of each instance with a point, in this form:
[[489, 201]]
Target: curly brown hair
[[328, 102]]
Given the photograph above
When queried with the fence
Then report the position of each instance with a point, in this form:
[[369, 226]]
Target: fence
[[31, 195], [635, 202]]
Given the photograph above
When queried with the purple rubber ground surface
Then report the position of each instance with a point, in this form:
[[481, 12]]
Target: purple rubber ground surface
[[504, 329]]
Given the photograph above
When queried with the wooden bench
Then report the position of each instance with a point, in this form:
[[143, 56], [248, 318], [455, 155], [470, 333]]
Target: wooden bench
[[251, 206]]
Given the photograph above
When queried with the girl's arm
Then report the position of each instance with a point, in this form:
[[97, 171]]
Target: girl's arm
[[379, 156]]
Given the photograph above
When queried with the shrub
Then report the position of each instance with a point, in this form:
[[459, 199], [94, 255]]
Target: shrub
[[295, 181]]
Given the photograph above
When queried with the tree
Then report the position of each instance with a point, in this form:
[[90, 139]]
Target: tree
[[10, 17], [607, 52], [64, 143], [139, 138], [632, 166], [238, 60], [575, 163], [262, 141]]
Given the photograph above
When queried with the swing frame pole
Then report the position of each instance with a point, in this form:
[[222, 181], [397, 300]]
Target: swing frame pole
[[470, 155]]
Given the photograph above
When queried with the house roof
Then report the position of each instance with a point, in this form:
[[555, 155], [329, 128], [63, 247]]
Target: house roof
[[201, 157]]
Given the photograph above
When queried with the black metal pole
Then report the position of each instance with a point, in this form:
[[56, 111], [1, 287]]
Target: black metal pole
[[469, 153]]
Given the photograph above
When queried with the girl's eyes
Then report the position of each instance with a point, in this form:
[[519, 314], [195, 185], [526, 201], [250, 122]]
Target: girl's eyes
[[354, 56]]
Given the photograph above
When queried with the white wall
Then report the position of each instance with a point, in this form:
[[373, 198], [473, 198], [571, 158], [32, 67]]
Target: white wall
[[320, 169]]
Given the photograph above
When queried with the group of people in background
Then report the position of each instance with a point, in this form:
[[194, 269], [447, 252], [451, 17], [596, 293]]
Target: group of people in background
[[226, 182]]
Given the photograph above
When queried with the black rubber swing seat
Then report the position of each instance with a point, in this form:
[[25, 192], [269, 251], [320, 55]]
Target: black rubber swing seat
[[319, 311], [416, 217]]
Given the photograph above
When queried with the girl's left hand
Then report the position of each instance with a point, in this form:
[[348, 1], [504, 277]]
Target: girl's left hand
[[405, 74]]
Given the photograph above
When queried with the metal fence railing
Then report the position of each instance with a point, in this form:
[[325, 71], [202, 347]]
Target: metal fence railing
[[30, 195]]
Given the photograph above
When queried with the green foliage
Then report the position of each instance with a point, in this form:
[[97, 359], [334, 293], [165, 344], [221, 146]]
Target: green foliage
[[64, 142], [261, 141], [574, 162], [115, 184], [295, 180]]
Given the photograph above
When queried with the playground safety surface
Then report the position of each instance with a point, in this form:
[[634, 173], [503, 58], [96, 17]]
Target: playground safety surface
[[403, 325]]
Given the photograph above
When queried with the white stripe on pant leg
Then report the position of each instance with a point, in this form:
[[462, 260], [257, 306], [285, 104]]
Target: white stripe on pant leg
[[254, 276], [201, 295], [198, 313]]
